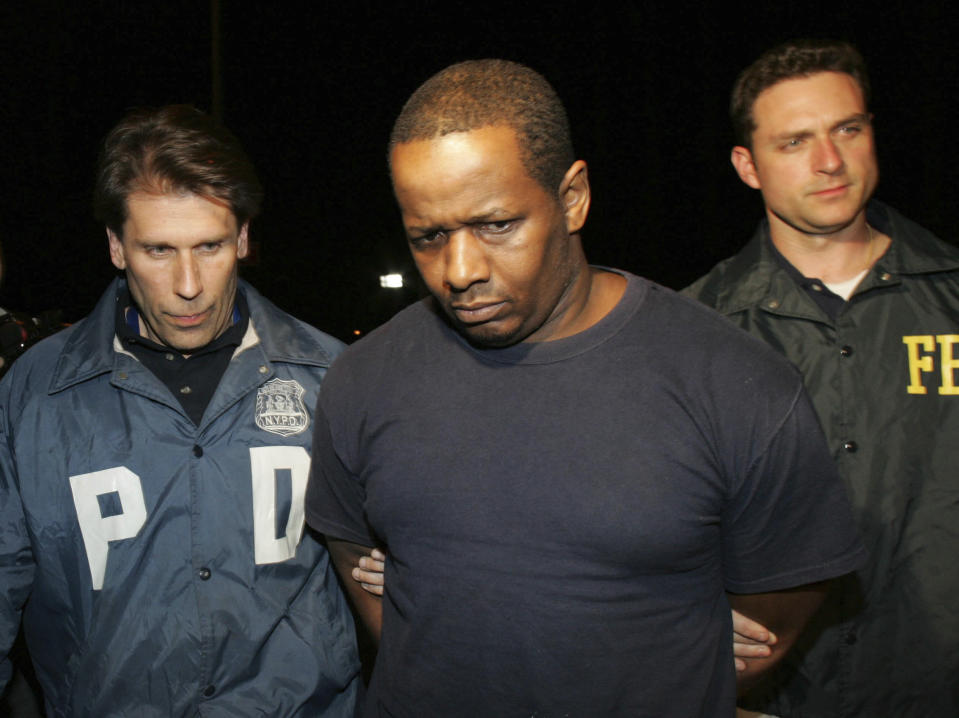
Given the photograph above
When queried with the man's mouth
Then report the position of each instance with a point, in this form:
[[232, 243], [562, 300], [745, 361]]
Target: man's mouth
[[831, 191], [189, 320], [476, 312]]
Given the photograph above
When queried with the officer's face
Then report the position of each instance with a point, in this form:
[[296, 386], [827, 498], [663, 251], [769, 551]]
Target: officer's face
[[492, 246], [813, 156], [180, 256]]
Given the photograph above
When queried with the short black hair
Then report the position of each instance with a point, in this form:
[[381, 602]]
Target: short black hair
[[481, 93]]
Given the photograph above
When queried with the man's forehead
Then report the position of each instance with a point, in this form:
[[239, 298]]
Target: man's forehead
[[480, 142], [149, 213], [168, 194], [807, 97], [446, 206], [479, 163]]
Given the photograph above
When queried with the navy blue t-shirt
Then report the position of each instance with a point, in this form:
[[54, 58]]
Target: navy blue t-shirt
[[564, 518]]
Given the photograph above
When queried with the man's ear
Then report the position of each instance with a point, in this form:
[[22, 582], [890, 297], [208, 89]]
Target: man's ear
[[574, 194], [116, 250], [242, 241], [742, 160]]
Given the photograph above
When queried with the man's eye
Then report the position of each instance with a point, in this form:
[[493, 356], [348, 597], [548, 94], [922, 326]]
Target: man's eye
[[791, 144], [209, 246], [497, 227], [158, 251], [425, 240], [850, 129]]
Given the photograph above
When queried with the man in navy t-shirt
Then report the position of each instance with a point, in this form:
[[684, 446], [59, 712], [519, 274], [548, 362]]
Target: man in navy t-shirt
[[575, 472]]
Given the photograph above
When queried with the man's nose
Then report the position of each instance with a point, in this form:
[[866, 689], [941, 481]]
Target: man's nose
[[466, 263], [828, 158], [186, 282]]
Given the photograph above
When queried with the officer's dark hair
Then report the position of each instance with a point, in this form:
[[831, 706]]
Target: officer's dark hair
[[174, 149], [483, 93], [796, 58]]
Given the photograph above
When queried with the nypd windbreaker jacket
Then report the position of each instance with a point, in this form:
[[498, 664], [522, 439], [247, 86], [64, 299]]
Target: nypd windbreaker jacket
[[164, 565], [884, 378]]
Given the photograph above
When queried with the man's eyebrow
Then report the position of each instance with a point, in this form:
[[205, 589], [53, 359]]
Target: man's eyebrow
[[495, 214], [798, 133], [863, 117], [802, 132], [148, 242], [422, 230]]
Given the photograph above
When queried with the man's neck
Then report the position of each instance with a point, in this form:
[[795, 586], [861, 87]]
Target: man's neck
[[834, 257], [134, 322], [605, 291], [592, 296]]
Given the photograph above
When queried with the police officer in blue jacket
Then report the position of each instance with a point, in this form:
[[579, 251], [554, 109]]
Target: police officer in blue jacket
[[154, 459]]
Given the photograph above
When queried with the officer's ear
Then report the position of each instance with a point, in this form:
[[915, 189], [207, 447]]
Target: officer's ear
[[117, 255], [574, 194], [742, 159], [242, 241]]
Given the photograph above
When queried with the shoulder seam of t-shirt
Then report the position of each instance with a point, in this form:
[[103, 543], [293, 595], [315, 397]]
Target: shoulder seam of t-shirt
[[779, 426]]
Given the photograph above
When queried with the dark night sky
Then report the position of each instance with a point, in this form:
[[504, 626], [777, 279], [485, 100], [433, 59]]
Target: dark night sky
[[312, 89]]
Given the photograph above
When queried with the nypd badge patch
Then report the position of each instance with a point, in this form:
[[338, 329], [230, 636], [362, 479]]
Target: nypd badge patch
[[280, 408]]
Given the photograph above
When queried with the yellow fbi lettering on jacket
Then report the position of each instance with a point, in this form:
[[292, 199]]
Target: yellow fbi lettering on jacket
[[932, 353]]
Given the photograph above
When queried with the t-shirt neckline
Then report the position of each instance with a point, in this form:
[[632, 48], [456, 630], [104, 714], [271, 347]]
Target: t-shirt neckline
[[567, 347]]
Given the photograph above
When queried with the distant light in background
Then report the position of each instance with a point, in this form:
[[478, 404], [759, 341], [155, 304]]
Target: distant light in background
[[356, 332], [391, 281]]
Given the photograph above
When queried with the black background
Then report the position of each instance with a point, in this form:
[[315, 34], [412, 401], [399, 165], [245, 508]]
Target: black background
[[312, 89]]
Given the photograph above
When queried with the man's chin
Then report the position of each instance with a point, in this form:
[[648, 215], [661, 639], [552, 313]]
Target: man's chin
[[495, 334], [823, 224], [185, 343], [488, 336]]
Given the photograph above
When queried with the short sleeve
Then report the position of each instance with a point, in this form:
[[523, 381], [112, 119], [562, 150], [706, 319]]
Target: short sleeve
[[788, 522], [334, 497]]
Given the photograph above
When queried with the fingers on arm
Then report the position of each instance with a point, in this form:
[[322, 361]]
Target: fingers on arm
[[369, 572], [750, 640], [346, 558], [748, 631], [785, 611]]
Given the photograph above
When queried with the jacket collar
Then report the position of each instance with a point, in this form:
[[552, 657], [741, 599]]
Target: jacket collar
[[914, 250], [754, 277], [91, 350]]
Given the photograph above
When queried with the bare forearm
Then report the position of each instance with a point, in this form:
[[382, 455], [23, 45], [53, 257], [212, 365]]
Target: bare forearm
[[785, 613], [346, 556]]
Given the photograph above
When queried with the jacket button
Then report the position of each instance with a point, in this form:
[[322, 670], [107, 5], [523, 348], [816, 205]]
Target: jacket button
[[209, 691], [850, 446], [846, 351], [198, 451], [851, 639], [204, 573]]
